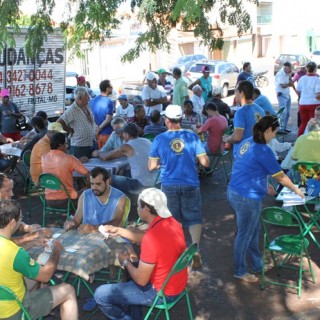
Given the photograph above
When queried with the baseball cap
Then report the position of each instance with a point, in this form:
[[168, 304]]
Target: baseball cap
[[161, 70], [81, 79], [151, 76], [172, 112], [56, 126], [205, 69], [123, 97], [156, 198], [5, 93]]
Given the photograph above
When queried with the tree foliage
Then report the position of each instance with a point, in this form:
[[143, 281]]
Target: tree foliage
[[94, 20]]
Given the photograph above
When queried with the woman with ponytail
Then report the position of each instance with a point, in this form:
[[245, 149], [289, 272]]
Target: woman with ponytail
[[255, 161]]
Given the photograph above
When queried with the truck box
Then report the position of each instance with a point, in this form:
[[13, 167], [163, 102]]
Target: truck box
[[39, 83]]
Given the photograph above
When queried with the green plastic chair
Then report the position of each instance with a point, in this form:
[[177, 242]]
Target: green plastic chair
[[50, 181], [165, 306], [149, 136], [287, 245], [6, 294], [216, 158]]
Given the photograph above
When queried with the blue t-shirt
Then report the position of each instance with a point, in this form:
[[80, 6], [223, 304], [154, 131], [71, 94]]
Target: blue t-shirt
[[177, 151], [253, 164], [245, 118], [263, 102], [246, 76], [100, 107]]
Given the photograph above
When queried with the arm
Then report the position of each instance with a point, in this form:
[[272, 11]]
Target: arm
[[131, 234], [50, 267], [236, 136], [153, 164], [77, 219], [152, 102], [39, 234], [194, 83], [204, 160], [65, 126], [124, 151], [105, 123], [285, 181]]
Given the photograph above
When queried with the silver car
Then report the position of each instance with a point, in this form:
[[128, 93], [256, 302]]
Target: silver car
[[224, 75]]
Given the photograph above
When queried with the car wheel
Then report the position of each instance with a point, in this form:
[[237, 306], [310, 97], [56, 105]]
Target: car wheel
[[224, 91]]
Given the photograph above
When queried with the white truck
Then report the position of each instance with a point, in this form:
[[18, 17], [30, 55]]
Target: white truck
[[39, 83]]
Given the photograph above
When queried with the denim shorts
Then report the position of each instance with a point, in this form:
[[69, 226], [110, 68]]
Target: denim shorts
[[184, 203]]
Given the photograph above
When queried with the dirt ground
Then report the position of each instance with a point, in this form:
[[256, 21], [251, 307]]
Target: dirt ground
[[215, 294]]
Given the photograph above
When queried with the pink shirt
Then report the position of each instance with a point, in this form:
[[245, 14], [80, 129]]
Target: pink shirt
[[216, 127]]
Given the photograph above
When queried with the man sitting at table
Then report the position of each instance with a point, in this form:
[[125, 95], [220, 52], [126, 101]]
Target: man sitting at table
[[15, 263], [116, 138], [137, 152], [161, 246], [62, 165], [139, 118], [102, 204], [33, 233]]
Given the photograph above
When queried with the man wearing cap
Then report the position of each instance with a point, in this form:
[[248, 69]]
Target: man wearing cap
[[153, 95], [83, 83], [124, 109], [137, 151], [9, 114], [175, 152], [162, 81], [161, 246], [102, 109], [180, 90], [41, 148], [205, 82]]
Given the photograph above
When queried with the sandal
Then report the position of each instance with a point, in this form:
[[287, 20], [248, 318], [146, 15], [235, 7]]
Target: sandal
[[90, 305]]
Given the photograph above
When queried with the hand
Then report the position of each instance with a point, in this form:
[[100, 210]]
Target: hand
[[71, 132], [33, 227], [84, 159], [112, 230], [57, 245], [95, 153], [40, 242], [69, 224], [9, 140], [87, 228], [44, 233], [225, 138], [299, 193], [133, 255], [271, 191], [123, 255]]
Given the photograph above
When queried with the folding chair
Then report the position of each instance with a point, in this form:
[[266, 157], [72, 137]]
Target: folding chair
[[215, 160], [149, 136], [50, 181], [287, 245], [165, 306], [6, 294]]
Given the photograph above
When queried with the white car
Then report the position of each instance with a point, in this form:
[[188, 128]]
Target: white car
[[316, 57]]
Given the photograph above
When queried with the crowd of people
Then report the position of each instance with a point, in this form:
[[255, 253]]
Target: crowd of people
[[158, 134]]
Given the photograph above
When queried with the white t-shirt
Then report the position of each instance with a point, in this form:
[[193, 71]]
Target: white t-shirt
[[308, 86], [282, 78], [148, 93], [128, 112]]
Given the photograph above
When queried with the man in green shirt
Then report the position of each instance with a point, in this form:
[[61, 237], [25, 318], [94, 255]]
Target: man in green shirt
[[180, 91]]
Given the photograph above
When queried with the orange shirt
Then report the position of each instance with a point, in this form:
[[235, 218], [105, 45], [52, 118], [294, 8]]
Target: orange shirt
[[62, 165], [40, 148]]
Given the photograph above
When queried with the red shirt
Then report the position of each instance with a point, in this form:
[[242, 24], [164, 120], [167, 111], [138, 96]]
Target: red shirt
[[162, 245]]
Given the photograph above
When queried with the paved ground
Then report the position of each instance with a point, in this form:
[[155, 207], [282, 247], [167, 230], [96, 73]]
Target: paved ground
[[215, 293]]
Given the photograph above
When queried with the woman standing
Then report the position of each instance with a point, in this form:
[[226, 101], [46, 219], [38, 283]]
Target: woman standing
[[308, 87], [248, 186]]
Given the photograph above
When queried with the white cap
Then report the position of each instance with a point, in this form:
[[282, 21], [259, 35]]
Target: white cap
[[172, 111], [151, 76], [156, 198]]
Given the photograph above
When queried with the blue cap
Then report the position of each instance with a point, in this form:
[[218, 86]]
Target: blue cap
[[123, 97]]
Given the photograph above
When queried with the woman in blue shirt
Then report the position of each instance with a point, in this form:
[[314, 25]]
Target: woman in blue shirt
[[248, 186]]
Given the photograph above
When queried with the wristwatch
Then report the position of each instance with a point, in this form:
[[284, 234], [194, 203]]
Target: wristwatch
[[124, 263], [151, 100]]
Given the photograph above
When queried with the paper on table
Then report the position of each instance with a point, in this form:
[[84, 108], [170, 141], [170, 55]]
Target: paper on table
[[291, 199]]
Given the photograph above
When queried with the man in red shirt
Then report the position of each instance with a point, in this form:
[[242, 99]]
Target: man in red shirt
[[161, 246]]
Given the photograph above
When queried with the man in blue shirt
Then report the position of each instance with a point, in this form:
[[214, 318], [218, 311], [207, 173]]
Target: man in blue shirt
[[102, 109], [175, 152], [263, 102], [246, 73]]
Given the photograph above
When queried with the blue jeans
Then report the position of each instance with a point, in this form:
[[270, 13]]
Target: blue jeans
[[247, 240], [284, 117], [184, 203], [123, 300], [127, 185]]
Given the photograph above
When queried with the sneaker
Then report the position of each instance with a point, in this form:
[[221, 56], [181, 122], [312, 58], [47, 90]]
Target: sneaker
[[90, 305], [247, 277], [196, 261]]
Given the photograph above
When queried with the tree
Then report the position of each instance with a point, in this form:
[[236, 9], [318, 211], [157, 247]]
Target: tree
[[94, 20]]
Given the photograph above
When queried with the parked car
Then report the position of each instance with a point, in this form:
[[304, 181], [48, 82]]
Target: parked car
[[185, 62], [316, 57], [297, 60], [224, 75], [133, 88]]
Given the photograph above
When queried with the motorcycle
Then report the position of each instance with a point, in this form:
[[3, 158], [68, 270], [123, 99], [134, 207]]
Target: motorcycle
[[260, 80]]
